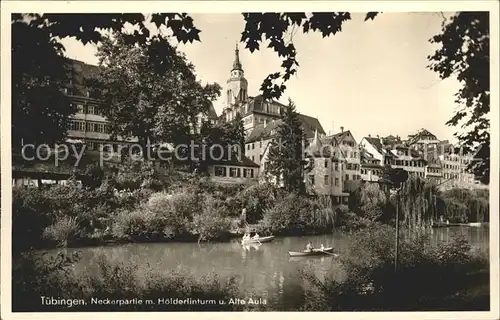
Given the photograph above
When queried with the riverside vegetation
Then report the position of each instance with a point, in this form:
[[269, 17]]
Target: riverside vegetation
[[137, 205]]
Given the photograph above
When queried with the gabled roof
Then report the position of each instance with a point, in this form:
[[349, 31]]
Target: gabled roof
[[263, 132], [422, 133], [375, 142], [212, 114]]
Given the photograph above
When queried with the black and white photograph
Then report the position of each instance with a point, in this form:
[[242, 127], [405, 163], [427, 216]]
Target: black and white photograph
[[164, 157]]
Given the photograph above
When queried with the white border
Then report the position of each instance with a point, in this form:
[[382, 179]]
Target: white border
[[242, 6]]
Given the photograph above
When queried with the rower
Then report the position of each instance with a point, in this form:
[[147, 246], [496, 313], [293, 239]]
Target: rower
[[246, 236], [309, 247], [256, 236], [322, 247]]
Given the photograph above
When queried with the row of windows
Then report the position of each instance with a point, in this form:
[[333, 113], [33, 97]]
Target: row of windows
[[234, 172], [409, 163], [449, 166], [418, 174], [434, 170], [451, 176], [251, 146], [88, 109], [89, 126], [374, 171]]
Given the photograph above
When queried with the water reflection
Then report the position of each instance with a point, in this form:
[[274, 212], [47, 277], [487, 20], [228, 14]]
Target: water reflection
[[261, 269]]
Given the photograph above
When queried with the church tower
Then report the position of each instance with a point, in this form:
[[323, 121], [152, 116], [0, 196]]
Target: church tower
[[237, 85]]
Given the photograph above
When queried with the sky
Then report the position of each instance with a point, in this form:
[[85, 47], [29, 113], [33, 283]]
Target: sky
[[370, 78]]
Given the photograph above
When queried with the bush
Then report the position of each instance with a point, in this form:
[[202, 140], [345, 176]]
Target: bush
[[35, 277], [212, 222], [370, 283], [64, 231], [290, 214]]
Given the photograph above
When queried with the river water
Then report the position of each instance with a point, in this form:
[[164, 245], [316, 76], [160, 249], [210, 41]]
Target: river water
[[264, 270]]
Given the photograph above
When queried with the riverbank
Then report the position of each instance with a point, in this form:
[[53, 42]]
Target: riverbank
[[440, 275], [196, 210]]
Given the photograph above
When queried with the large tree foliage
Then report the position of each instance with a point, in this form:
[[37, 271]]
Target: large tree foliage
[[147, 103], [285, 160], [259, 28], [40, 110], [465, 53], [274, 28]]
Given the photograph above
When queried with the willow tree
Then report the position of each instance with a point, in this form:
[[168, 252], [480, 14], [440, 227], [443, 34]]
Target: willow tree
[[418, 203]]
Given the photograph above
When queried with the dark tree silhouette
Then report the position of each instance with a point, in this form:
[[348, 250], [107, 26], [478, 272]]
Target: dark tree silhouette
[[465, 54]]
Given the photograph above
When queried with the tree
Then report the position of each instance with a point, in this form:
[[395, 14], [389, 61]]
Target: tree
[[40, 110], [146, 103], [285, 161], [464, 53], [259, 27]]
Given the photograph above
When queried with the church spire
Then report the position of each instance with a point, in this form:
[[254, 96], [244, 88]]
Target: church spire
[[237, 63]]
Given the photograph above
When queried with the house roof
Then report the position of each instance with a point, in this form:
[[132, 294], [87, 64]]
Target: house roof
[[232, 160], [262, 132], [375, 142], [212, 114], [422, 133]]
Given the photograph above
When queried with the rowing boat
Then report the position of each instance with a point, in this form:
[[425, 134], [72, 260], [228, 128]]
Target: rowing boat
[[260, 240], [314, 252]]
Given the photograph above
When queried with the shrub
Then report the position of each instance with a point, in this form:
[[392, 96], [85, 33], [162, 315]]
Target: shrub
[[131, 224], [290, 214], [256, 200], [370, 283], [54, 277], [64, 231], [212, 222]]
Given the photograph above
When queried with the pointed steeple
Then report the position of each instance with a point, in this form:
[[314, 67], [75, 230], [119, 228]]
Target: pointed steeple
[[237, 63]]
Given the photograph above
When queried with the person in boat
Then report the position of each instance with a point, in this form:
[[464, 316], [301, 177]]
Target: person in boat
[[256, 236], [309, 247], [246, 236], [322, 248]]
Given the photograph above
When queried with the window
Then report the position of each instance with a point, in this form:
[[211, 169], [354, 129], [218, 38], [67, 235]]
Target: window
[[260, 158], [336, 182], [80, 108], [260, 144], [253, 146], [220, 171], [248, 146], [326, 180], [326, 163], [336, 166], [245, 173], [234, 172], [77, 125], [251, 173], [253, 158], [90, 109], [346, 177], [311, 179]]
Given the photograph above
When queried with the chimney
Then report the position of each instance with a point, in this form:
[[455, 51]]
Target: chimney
[[369, 135], [341, 129]]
